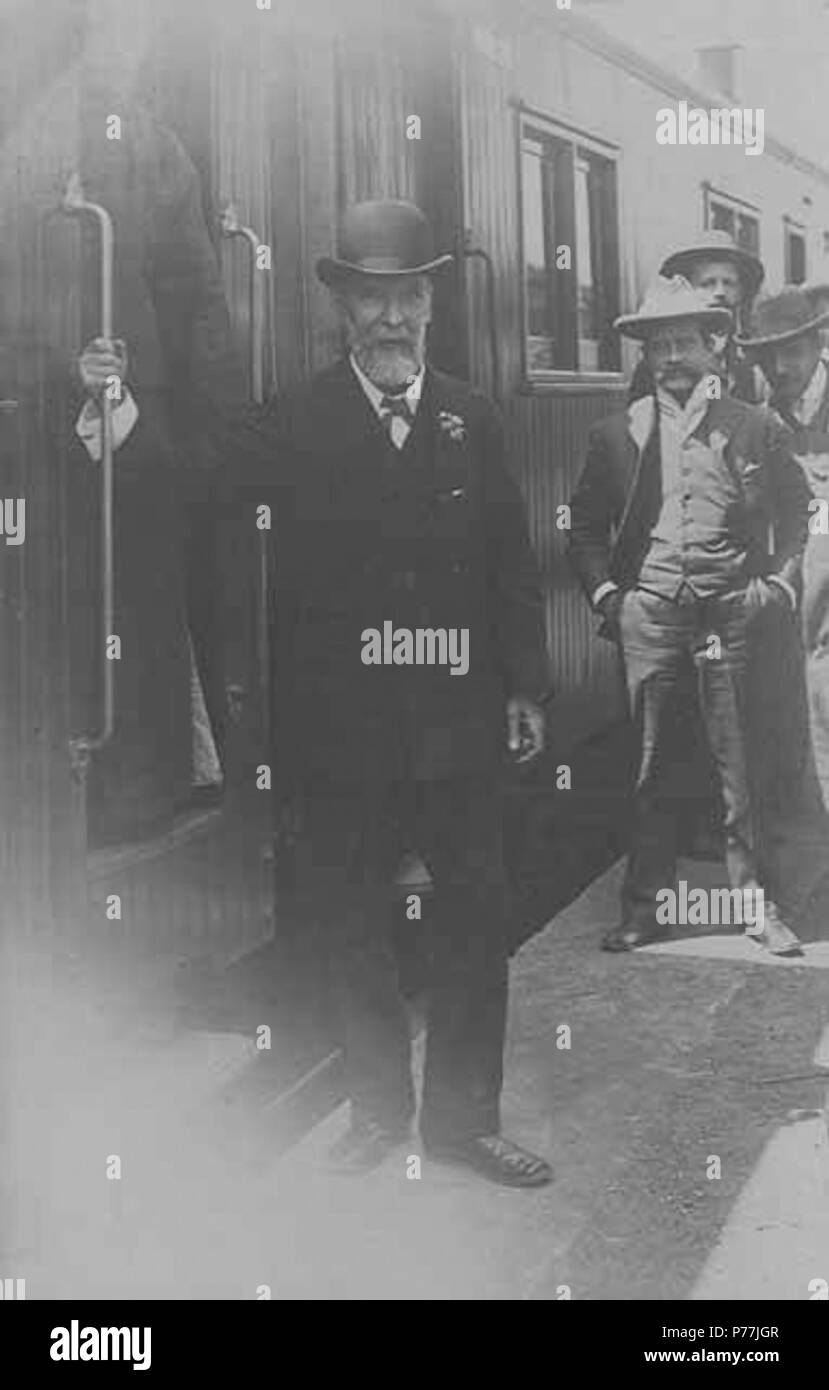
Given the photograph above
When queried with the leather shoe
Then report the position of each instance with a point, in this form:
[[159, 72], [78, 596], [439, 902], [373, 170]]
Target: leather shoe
[[627, 936], [495, 1158], [364, 1146], [776, 937]]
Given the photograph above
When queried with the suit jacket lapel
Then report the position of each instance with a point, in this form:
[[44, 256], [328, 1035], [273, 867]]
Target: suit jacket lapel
[[355, 420], [349, 417], [422, 427], [642, 473], [723, 416]]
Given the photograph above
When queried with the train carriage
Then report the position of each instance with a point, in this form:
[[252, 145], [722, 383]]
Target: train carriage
[[520, 129]]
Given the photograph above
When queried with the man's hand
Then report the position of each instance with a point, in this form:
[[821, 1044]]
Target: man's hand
[[609, 609], [525, 728], [100, 360]]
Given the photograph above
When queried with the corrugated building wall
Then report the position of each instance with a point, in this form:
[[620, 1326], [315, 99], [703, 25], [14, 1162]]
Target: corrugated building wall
[[547, 427]]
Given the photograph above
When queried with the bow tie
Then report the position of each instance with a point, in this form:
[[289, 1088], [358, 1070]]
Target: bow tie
[[397, 405]]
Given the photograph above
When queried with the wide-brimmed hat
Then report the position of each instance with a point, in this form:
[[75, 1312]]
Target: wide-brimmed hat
[[717, 246], [780, 318], [818, 292], [383, 237], [674, 298]]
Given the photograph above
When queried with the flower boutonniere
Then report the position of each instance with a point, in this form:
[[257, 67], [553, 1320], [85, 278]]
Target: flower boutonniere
[[452, 425]]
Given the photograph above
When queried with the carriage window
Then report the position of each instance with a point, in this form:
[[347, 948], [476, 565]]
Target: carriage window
[[723, 215], [568, 200], [795, 261]]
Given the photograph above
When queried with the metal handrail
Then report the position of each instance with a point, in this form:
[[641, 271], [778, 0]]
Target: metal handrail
[[74, 202], [231, 226], [469, 252]]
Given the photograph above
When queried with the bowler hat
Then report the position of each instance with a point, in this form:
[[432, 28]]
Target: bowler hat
[[382, 237], [717, 245], [780, 318], [669, 299]]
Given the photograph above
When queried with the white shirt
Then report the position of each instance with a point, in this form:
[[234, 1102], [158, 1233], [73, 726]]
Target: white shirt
[[88, 424], [399, 427], [678, 422]]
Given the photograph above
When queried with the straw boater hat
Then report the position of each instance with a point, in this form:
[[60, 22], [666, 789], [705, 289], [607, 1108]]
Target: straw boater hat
[[668, 300], [385, 238], [780, 318], [717, 246]]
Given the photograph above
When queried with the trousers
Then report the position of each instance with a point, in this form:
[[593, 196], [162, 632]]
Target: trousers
[[658, 636], [349, 839], [817, 681]]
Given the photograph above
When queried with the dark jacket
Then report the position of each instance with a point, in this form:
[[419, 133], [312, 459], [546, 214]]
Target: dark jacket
[[431, 537], [619, 494], [811, 445]]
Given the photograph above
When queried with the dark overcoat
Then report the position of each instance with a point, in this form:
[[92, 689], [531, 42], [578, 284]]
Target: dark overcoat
[[811, 443], [432, 536]]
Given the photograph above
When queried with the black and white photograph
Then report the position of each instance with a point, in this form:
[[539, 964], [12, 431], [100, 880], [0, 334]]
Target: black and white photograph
[[414, 662]]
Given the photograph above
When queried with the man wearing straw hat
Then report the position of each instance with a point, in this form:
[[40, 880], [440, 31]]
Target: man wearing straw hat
[[785, 340], [730, 277], [396, 515], [670, 527]]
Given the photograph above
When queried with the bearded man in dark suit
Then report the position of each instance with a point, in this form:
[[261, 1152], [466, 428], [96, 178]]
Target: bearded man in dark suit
[[410, 659]]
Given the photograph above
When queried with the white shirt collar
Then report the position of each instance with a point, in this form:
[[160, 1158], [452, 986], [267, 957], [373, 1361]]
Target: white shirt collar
[[808, 403], [684, 419], [374, 393]]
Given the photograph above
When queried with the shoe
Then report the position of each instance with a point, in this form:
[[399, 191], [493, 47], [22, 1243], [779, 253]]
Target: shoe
[[776, 937], [627, 936], [495, 1158], [364, 1146]]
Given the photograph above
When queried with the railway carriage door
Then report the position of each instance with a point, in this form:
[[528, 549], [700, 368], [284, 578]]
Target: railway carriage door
[[199, 886], [40, 834], [204, 890]]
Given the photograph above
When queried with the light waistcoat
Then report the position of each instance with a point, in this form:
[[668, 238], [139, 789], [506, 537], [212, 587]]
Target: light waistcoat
[[693, 546]]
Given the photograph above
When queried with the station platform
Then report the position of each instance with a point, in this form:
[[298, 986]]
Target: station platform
[[691, 1050]]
